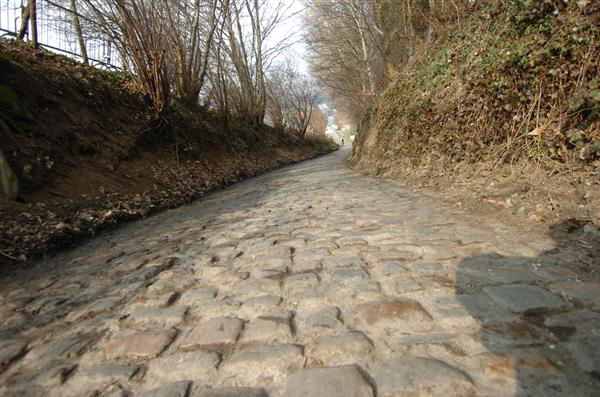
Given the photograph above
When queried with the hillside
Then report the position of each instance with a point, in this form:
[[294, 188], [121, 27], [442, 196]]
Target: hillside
[[89, 152], [501, 113]]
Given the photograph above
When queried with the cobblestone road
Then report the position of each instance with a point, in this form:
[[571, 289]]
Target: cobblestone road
[[309, 281]]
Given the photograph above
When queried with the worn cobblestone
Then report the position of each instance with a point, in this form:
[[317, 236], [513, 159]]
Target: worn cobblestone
[[311, 280]]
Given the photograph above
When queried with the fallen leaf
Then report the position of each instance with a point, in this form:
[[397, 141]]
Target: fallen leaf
[[537, 131]]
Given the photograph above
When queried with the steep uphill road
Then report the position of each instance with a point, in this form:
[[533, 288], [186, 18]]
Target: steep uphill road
[[311, 280]]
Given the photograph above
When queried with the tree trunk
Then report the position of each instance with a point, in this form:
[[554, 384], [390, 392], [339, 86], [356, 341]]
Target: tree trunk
[[33, 20], [79, 32], [209, 41], [358, 20], [262, 95], [24, 23]]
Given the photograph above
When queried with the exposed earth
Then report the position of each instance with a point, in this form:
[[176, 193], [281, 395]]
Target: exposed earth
[[89, 152], [312, 280]]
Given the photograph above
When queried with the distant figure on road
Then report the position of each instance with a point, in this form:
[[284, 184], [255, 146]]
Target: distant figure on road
[[342, 142]]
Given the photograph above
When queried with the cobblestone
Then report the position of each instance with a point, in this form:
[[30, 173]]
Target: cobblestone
[[326, 318], [586, 353], [588, 294], [421, 377], [348, 261], [197, 296], [182, 366], [306, 265], [166, 317], [102, 374], [341, 349], [334, 382], [311, 280], [267, 330], [582, 322], [301, 282], [525, 298], [216, 333], [402, 315], [141, 344], [263, 364], [259, 305]]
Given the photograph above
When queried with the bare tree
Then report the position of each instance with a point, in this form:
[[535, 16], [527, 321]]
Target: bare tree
[[277, 96], [217, 73], [24, 23], [344, 52], [78, 31], [243, 53], [292, 97], [218, 52], [33, 22], [164, 44], [303, 96], [318, 122], [357, 47], [196, 25]]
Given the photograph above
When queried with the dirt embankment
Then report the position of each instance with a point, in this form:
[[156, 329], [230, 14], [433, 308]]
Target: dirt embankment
[[89, 152], [501, 116]]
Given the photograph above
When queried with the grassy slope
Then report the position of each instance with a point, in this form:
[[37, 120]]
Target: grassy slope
[[515, 85]]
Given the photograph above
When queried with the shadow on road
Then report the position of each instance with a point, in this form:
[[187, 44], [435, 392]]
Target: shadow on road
[[540, 330]]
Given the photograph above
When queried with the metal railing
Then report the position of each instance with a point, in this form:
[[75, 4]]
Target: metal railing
[[57, 34]]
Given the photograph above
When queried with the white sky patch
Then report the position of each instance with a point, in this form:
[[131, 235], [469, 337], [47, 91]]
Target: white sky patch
[[292, 29], [55, 30], [52, 33]]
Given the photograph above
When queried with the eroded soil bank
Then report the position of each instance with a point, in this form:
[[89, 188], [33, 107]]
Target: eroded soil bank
[[89, 152]]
